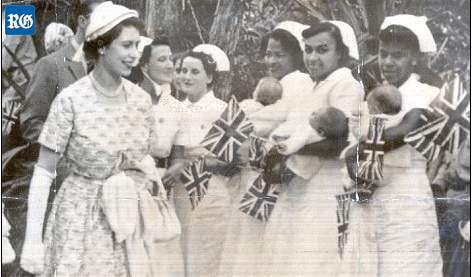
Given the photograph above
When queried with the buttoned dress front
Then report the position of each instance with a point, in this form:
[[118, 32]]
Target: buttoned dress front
[[301, 238], [91, 135], [204, 229]]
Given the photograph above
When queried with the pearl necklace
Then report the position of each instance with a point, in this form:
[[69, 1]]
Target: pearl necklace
[[105, 93]]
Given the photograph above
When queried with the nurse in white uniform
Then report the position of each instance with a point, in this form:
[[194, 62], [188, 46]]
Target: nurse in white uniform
[[283, 58], [301, 235], [204, 229], [405, 215], [157, 74]]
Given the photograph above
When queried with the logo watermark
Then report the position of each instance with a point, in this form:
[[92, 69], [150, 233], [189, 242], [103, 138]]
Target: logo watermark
[[20, 20]]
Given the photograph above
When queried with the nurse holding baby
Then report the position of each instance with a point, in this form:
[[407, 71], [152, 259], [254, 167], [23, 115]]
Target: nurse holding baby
[[403, 209], [301, 238], [283, 58]]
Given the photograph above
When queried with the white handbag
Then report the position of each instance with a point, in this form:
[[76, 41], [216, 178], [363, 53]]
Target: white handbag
[[166, 225]]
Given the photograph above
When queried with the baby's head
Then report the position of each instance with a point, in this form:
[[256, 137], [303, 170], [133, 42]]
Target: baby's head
[[268, 91], [385, 99], [329, 122]]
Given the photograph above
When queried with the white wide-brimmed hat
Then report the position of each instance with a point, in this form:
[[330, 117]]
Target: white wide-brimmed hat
[[417, 25], [218, 55], [106, 16]]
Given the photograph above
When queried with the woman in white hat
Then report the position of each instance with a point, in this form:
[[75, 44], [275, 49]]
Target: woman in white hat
[[203, 227], [301, 237], [283, 58], [155, 74], [96, 124], [403, 209]]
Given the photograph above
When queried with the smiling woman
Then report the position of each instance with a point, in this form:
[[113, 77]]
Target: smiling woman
[[96, 124]]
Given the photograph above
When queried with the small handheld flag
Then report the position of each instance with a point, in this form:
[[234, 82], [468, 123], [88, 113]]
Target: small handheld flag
[[259, 200], [195, 178], [228, 132]]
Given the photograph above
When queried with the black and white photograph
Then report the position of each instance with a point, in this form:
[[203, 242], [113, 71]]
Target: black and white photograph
[[236, 138]]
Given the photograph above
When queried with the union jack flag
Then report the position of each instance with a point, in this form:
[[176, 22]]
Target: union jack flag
[[195, 178], [450, 124], [342, 214], [228, 132], [258, 149], [10, 111], [371, 168], [259, 200]]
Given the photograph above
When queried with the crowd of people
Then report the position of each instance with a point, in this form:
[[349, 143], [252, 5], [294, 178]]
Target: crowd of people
[[110, 115]]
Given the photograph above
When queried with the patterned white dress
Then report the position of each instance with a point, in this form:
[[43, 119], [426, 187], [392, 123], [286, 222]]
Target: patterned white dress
[[90, 135]]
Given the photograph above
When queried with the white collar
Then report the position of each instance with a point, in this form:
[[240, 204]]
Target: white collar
[[414, 78], [164, 89], [340, 73], [204, 102], [157, 87]]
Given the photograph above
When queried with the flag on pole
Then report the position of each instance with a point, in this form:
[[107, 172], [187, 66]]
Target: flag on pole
[[449, 125], [195, 178], [228, 132], [342, 213], [259, 200]]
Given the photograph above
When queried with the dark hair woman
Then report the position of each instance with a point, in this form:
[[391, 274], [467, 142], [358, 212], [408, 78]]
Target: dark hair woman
[[95, 124], [155, 75], [204, 231], [411, 236], [309, 199], [283, 57]]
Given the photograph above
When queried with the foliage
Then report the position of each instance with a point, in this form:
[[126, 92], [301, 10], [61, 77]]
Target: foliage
[[449, 22]]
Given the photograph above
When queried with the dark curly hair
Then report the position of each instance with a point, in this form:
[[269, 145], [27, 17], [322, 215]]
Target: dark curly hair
[[91, 47], [209, 65], [148, 49], [341, 48]]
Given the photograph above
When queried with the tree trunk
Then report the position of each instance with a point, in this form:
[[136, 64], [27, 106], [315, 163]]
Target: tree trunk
[[224, 33], [172, 19]]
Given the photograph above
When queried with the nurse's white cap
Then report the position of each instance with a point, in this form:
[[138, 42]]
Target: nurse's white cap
[[348, 37], [295, 29], [417, 25], [143, 42], [218, 55]]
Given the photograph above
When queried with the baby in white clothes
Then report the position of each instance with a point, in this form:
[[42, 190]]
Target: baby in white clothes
[[267, 92], [324, 123]]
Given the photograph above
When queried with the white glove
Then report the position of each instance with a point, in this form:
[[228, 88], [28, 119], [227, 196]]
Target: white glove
[[32, 257]]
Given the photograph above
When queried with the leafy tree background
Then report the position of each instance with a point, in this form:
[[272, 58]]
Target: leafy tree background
[[238, 26]]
